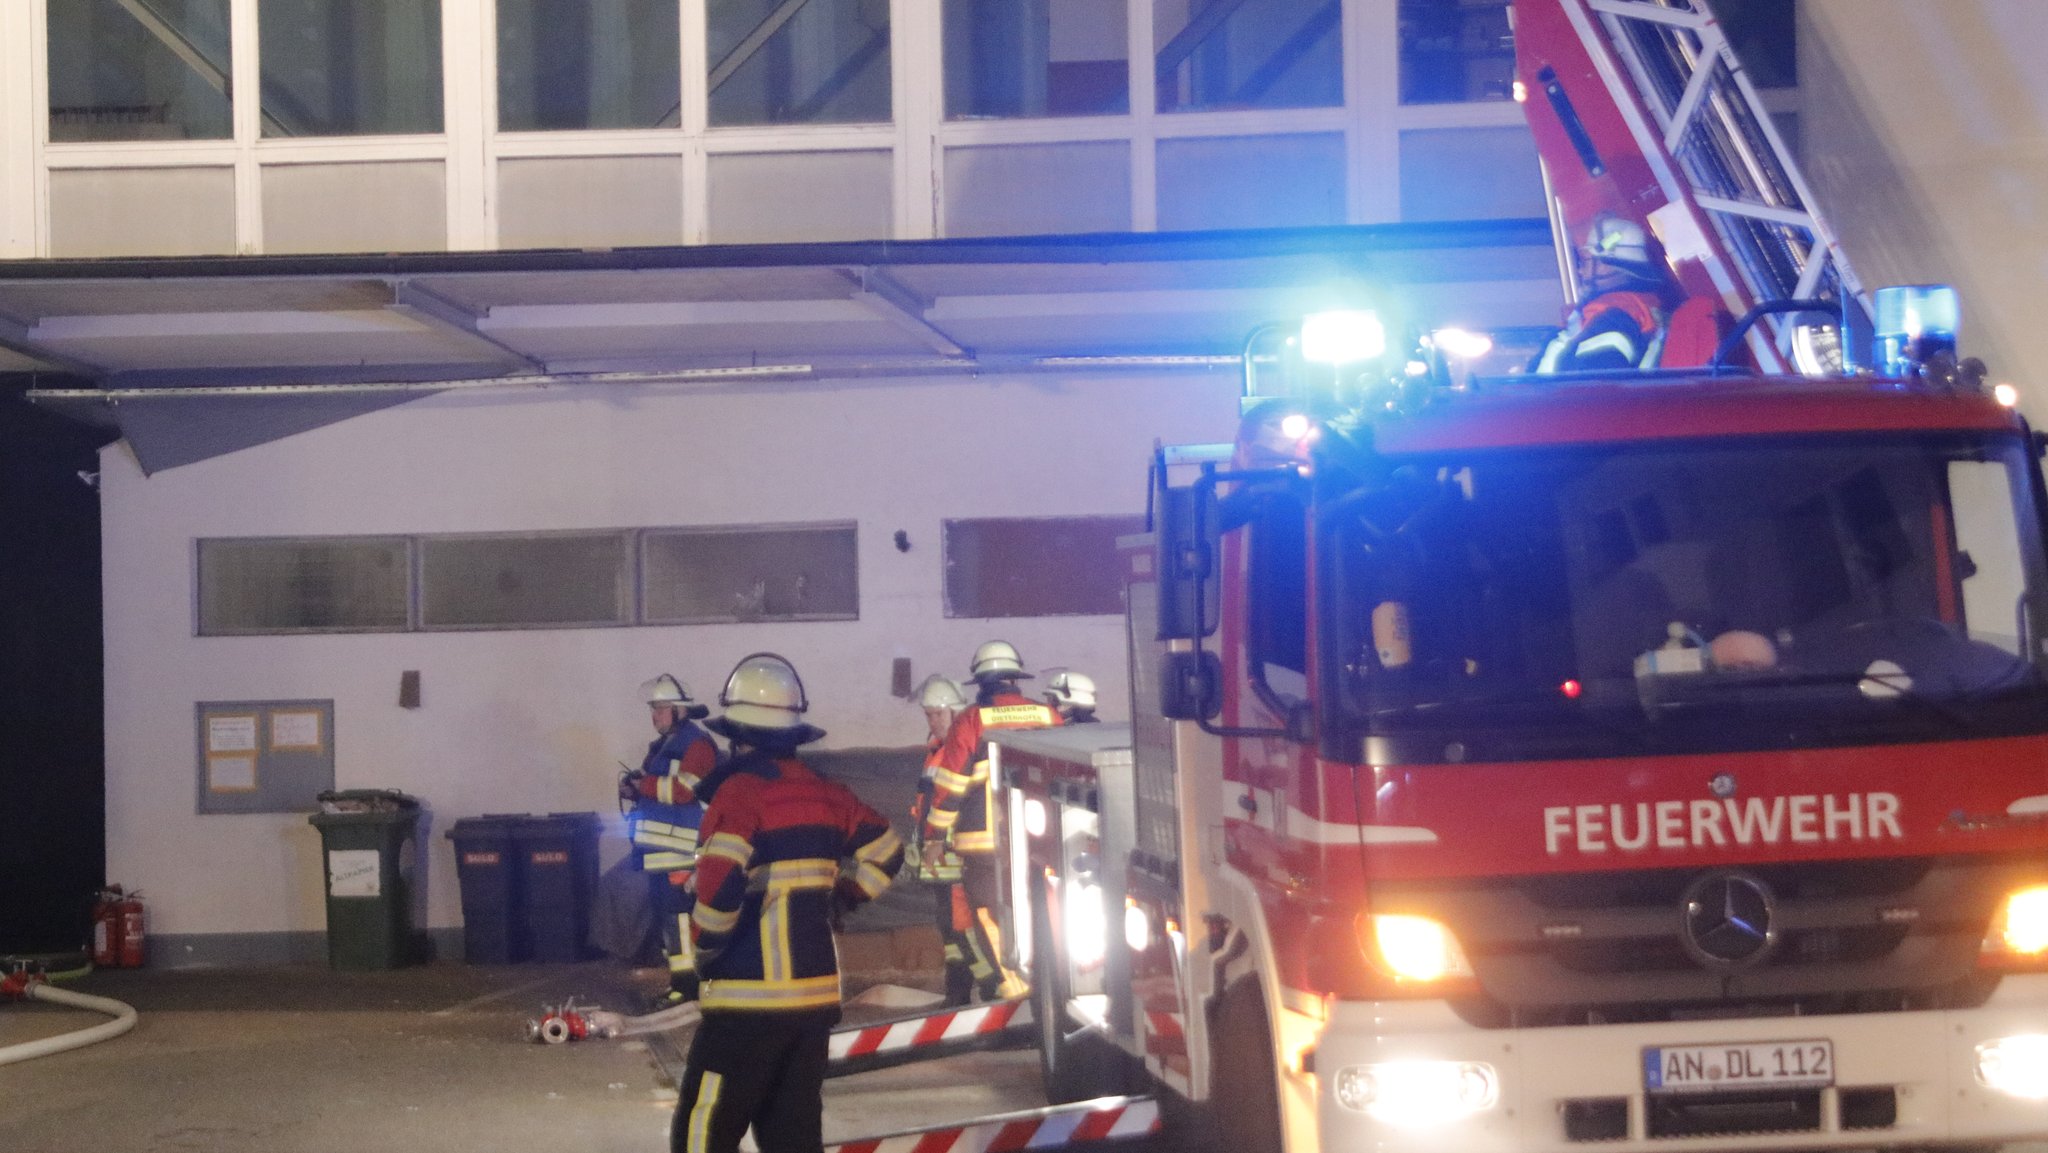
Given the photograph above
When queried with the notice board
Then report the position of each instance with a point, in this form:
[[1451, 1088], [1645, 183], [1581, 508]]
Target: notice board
[[264, 756]]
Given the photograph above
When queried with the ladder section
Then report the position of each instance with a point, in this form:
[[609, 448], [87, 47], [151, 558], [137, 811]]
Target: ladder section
[[1719, 188]]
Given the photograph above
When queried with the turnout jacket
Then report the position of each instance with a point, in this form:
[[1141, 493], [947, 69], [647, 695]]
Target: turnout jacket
[[960, 776], [665, 819], [784, 852]]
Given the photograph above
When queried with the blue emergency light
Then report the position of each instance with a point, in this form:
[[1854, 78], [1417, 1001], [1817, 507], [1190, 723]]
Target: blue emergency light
[[1342, 336], [1914, 323]]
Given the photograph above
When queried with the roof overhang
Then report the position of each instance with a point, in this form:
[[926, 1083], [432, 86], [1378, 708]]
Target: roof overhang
[[191, 357]]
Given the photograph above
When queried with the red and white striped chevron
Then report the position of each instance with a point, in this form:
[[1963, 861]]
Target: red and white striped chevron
[[950, 1025], [1110, 1119]]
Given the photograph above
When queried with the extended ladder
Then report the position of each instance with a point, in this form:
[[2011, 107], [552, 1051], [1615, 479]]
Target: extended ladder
[[1714, 180]]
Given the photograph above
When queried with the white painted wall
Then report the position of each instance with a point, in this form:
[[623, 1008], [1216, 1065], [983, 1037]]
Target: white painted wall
[[536, 721], [1925, 129]]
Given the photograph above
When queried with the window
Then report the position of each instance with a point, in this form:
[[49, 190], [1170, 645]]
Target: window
[[1052, 566], [803, 573], [129, 71], [568, 64], [1248, 54], [536, 580], [1277, 595], [350, 67], [798, 62], [1455, 51], [1036, 58], [339, 584]]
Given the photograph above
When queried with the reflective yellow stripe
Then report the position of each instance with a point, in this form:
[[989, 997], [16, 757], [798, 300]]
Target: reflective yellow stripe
[[731, 846], [881, 848], [871, 879], [684, 959], [714, 920], [1015, 716], [782, 876], [942, 819], [666, 862], [775, 963], [951, 781], [800, 993], [974, 841], [700, 1113], [665, 789], [662, 835]]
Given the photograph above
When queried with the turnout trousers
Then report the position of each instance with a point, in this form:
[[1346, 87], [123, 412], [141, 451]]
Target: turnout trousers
[[760, 1068]]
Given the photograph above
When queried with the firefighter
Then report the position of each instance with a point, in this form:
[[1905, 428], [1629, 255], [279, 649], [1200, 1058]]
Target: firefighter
[[1633, 316], [666, 812], [941, 700], [785, 854], [1072, 694], [961, 816]]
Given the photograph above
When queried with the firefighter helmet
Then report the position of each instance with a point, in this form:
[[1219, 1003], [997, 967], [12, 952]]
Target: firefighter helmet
[[666, 691], [1617, 252], [995, 661], [939, 692], [1071, 690], [764, 703]]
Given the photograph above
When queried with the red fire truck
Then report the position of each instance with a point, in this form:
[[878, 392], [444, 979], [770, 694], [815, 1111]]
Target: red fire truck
[[1651, 759]]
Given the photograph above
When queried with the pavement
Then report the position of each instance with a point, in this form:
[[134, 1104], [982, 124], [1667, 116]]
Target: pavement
[[304, 1059]]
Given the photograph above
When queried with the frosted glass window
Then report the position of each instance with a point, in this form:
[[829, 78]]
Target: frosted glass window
[[784, 573], [1248, 54], [1470, 174], [350, 67], [1036, 567], [1036, 58], [1026, 189], [773, 197], [574, 64], [556, 580], [1456, 51], [399, 206], [1251, 182], [338, 584], [129, 71], [590, 202], [798, 61], [142, 212]]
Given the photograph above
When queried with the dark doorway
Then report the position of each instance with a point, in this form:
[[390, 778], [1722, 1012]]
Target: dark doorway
[[52, 753]]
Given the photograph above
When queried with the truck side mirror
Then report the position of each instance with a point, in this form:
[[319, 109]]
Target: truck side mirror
[[1187, 562], [1190, 686]]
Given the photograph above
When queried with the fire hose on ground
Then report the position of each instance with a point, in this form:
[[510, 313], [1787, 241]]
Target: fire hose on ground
[[37, 988]]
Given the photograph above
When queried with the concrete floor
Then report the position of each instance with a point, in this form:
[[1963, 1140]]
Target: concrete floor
[[307, 1060]]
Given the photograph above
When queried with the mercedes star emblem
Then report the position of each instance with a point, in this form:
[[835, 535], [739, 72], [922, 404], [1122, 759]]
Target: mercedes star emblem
[[1730, 919]]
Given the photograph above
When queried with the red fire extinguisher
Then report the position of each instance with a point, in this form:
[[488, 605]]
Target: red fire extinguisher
[[117, 929]]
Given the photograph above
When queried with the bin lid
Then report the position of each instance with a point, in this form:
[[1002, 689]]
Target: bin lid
[[365, 801], [489, 825]]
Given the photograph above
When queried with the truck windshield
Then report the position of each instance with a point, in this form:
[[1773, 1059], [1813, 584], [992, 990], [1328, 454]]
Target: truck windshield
[[1686, 596]]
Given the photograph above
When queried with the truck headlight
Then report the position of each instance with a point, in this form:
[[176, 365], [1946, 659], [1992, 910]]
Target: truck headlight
[[2015, 1065], [1417, 1094], [2020, 930], [1412, 948]]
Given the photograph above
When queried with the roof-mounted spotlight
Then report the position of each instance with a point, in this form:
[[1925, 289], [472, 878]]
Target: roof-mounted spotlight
[[1462, 343], [1343, 336]]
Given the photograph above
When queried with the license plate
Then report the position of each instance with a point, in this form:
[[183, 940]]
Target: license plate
[[1720, 1068]]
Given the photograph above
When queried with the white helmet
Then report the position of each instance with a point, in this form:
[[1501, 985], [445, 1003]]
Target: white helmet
[[765, 695], [1071, 690], [1620, 244], [665, 690], [939, 692], [997, 660]]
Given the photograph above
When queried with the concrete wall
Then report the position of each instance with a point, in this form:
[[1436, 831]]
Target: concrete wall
[[537, 720], [1925, 128]]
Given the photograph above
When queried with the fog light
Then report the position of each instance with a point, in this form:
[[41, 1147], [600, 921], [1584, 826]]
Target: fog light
[[2015, 1065], [1417, 1094]]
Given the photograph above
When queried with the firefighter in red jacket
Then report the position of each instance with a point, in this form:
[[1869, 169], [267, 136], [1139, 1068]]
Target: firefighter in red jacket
[[784, 853], [961, 814], [1634, 315], [941, 700], [666, 812]]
